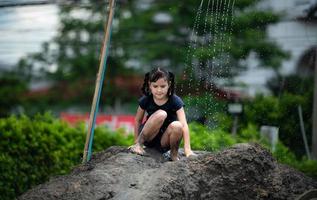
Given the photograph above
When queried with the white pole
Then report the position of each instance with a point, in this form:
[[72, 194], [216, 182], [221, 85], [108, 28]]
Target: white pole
[[302, 128]]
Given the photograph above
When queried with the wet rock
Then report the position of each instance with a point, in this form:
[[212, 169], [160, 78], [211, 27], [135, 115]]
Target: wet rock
[[244, 171]]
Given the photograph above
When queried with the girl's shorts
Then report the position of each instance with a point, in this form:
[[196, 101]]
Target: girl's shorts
[[156, 142]]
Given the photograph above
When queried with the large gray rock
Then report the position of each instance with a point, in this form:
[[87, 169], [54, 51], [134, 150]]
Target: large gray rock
[[245, 171]]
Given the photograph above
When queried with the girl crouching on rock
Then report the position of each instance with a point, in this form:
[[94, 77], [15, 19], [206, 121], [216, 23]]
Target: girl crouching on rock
[[165, 124]]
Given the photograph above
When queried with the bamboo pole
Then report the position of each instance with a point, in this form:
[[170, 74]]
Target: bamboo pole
[[99, 83]]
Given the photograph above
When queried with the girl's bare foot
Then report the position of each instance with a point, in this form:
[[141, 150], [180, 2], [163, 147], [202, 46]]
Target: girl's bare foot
[[174, 155], [137, 149]]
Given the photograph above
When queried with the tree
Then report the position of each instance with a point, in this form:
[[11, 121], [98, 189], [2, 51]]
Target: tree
[[155, 33], [217, 38], [71, 59], [11, 90], [281, 110]]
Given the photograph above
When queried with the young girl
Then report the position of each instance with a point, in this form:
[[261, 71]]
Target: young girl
[[165, 124]]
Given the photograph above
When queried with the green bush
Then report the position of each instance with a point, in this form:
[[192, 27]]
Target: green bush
[[209, 140], [309, 167], [205, 109], [32, 150], [249, 134], [285, 156], [262, 111], [283, 113]]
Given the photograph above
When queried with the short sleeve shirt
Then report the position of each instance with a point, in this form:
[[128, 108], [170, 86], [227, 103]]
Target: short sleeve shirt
[[173, 104]]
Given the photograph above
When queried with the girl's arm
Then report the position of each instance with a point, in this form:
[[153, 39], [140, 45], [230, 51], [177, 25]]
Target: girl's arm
[[138, 120], [182, 118]]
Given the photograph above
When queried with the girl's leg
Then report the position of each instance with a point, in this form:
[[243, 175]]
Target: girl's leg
[[172, 137], [152, 126], [149, 131]]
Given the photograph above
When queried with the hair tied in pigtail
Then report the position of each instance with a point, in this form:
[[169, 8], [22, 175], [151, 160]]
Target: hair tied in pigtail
[[145, 87], [147, 75], [171, 78], [171, 75]]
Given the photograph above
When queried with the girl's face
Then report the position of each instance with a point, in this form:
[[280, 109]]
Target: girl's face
[[159, 89]]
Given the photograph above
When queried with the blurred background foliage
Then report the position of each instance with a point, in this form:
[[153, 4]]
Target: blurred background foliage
[[70, 61]]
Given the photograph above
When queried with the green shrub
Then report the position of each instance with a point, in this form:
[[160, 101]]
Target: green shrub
[[205, 109], [32, 150], [249, 134], [262, 111], [209, 140], [309, 167], [283, 113], [105, 138]]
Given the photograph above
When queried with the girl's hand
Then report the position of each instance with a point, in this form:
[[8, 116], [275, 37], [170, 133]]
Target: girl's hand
[[137, 149], [189, 153]]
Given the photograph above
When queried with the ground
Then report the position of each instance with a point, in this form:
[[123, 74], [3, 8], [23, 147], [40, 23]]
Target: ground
[[244, 171]]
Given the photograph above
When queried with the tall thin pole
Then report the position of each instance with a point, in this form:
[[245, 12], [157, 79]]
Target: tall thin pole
[[314, 135], [302, 128], [99, 83], [235, 126]]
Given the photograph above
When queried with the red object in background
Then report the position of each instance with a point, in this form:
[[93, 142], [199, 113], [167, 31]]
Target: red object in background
[[112, 121]]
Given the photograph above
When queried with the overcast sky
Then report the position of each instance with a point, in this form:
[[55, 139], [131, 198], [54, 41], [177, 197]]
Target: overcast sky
[[24, 28]]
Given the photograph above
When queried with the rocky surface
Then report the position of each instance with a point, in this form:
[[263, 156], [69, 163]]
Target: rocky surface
[[245, 171]]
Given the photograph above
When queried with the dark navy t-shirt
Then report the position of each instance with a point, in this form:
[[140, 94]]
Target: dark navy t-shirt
[[173, 104]]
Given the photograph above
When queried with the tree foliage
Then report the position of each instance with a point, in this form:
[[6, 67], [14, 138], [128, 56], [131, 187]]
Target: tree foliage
[[152, 33], [282, 112], [11, 92]]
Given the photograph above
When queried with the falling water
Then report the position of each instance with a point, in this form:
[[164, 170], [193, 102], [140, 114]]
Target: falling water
[[223, 26], [219, 42], [207, 53], [227, 17], [231, 25], [201, 68], [192, 46]]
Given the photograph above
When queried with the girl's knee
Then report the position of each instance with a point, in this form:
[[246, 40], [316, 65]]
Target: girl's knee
[[176, 125], [160, 115], [177, 128]]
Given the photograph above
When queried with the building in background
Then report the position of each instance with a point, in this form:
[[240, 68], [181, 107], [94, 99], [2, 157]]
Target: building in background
[[296, 33]]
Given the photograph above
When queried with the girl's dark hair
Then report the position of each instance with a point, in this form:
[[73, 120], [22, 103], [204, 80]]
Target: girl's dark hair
[[155, 75]]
